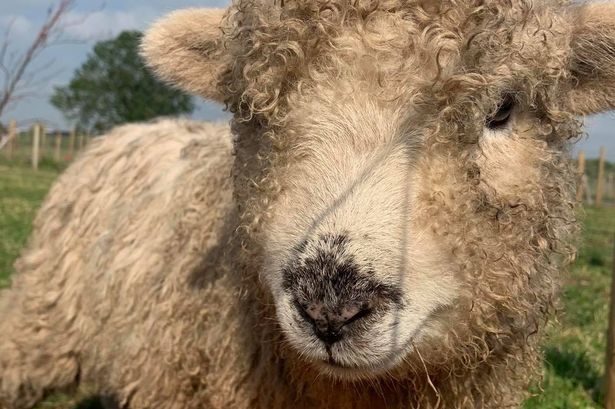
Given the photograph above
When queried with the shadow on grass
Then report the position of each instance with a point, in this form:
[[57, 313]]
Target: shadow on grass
[[576, 367], [90, 403]]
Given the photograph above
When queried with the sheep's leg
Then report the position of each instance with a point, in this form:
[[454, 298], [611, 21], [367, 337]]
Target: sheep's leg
[[36, 358]]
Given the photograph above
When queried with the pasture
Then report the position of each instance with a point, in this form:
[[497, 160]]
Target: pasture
[[574, 351]]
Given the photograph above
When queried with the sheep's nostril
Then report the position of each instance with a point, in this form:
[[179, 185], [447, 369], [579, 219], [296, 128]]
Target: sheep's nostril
[[328, 322], [354, 313]]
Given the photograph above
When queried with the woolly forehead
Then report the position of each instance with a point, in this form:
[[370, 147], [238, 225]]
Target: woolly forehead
[[449, 57], [441, 57]]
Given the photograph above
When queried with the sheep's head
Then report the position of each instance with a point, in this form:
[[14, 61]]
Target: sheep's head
[[403, 164]]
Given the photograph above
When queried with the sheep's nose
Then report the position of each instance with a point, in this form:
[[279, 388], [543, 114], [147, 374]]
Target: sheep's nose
[[328, 323]]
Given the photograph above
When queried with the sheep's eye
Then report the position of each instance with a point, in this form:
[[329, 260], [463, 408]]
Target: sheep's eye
[[502, 115]]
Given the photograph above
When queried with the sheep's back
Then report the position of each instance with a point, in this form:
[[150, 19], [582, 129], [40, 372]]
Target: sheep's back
[[133, 222]]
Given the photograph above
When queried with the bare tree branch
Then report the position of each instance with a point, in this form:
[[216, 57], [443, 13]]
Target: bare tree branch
[[5, 42], [15, 68]]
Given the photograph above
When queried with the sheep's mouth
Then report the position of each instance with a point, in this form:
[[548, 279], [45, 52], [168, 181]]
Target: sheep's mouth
[[380, 346], [333, 364], [344, 372], [340, 366]]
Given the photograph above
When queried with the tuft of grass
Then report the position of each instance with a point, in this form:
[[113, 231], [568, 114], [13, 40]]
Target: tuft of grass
[[574, 350]]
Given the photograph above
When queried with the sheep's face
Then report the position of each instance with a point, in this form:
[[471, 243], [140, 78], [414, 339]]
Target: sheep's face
[[404, 169], [411, 197]]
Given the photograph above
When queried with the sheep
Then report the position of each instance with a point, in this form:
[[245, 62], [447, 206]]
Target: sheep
[[384, 223]]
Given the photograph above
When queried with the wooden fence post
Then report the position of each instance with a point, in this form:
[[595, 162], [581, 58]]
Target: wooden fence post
[[610, 349], [36, 141], [581, 185], [44, 142], [600, 182], [71, 143], [56, 154]]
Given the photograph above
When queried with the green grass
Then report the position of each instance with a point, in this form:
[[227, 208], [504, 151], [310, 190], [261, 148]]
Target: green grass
[[21, 193], [574, 350]]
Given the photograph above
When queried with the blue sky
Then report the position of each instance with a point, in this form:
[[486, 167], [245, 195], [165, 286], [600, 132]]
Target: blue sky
[[94, 20]]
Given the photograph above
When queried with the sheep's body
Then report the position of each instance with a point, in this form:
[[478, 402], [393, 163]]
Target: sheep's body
[[141, 196]]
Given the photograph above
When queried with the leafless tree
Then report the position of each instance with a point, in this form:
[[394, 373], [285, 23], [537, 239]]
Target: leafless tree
[[19, 77]]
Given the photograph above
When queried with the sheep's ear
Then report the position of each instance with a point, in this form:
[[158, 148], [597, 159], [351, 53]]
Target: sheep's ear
[[593, 59], [186, 49]]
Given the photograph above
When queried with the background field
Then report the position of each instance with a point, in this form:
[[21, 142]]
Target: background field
[[574, 351]]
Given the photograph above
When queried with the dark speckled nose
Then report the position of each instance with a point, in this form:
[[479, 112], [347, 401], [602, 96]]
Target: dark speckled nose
[[334, 296], [328, 324]]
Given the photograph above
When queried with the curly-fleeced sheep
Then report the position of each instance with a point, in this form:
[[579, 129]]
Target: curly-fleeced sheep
[[387, 227]]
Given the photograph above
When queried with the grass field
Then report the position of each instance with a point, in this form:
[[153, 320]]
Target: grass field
[[574, 352], [21, 192]]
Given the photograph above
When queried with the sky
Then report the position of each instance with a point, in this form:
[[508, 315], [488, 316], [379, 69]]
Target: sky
[[88, 22], [94, 20]]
